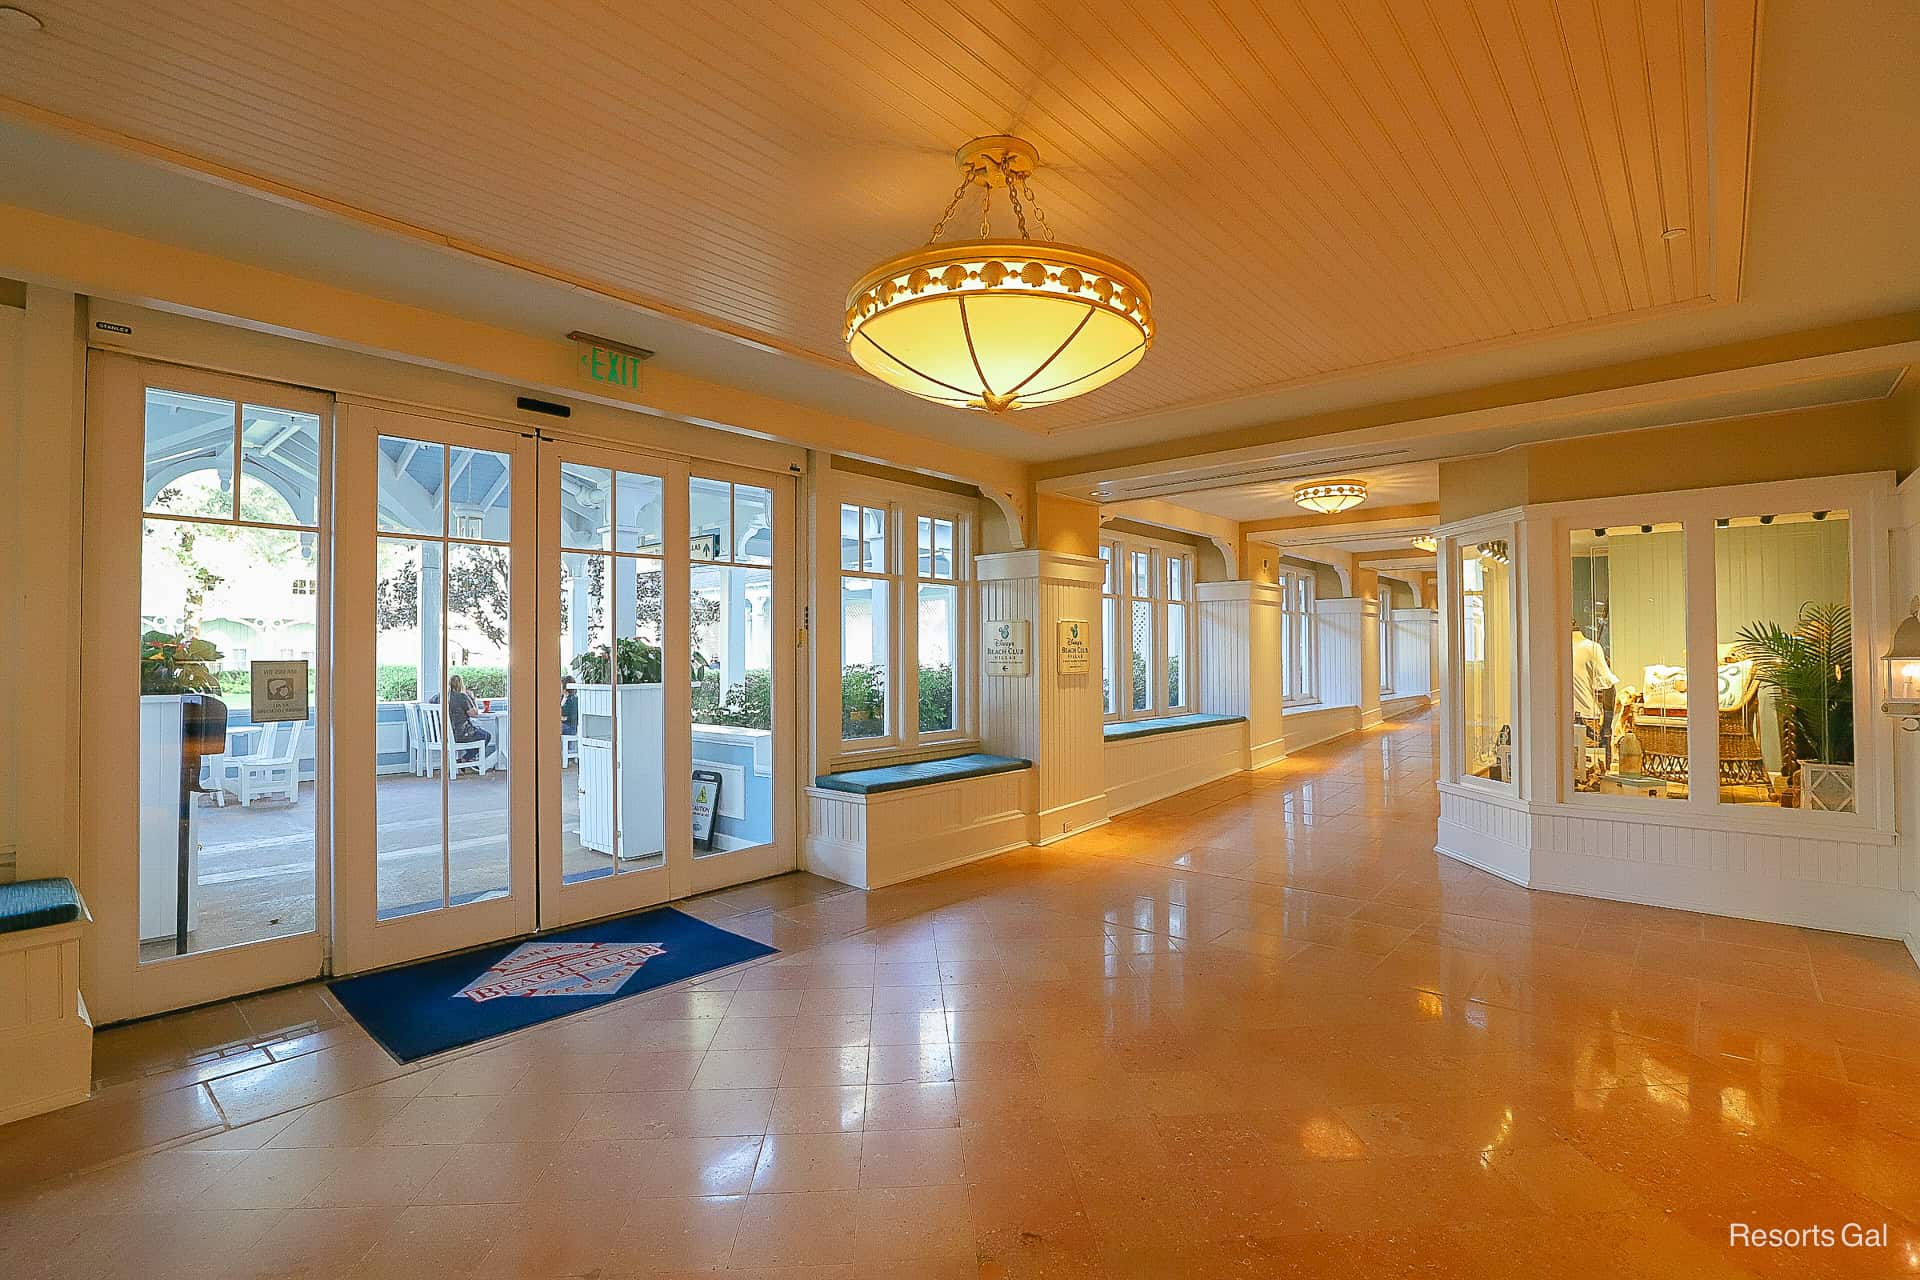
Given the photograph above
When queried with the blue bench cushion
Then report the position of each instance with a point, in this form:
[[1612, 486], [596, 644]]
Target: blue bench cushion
[[1165, 724], [30, 904], [921, 773]]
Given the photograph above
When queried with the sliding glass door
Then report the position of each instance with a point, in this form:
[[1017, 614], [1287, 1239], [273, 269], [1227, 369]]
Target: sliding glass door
[[436, 689], [206, 704]]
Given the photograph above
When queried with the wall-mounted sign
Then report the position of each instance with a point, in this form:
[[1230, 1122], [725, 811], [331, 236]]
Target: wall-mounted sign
[[279, 690], [1076, 647], [615, 363], [1009, 648], [706, 803]]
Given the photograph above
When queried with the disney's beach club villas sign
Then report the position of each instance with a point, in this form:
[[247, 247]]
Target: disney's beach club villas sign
[[1076, 647], [1009, 648]]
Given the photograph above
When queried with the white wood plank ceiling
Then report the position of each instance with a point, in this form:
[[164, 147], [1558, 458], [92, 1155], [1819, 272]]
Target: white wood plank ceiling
[[1310, 186]]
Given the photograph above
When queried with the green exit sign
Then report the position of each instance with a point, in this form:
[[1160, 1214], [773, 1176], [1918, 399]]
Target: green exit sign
[[614, 363]]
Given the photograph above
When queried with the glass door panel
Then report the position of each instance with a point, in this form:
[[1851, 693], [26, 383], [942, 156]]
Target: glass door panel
[[738, 609], [605, 776], [206, 606], [435, 582]]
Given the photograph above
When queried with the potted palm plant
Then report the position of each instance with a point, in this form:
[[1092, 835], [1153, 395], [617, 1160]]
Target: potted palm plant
[[1810, 673]]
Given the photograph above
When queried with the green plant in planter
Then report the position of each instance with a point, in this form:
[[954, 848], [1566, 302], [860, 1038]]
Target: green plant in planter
[[174, 663], [1810, 671], [639, 663]]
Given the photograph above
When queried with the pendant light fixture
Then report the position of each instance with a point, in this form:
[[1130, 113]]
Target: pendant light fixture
[[1330, 497], [998, 324]]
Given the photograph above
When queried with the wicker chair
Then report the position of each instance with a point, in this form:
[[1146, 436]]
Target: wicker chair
[[1662, 727]]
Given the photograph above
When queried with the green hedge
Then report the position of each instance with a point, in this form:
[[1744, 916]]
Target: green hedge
[[400, 681]]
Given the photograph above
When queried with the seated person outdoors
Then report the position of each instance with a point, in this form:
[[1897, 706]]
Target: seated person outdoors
[[569, 708], [461, 708]]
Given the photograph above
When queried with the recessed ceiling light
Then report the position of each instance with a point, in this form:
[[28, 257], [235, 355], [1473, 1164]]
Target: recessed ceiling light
[[1673, 233], [19, 20]]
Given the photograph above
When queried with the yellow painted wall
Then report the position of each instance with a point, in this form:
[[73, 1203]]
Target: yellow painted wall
[[1832, 440], [1066, 525]]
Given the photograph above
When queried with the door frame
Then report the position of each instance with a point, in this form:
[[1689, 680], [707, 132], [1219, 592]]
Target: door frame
[[563, 904], [361, 940], [685, 874], [113, 509]]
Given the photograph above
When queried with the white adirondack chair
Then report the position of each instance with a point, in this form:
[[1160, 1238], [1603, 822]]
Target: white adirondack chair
[[466, 755], [272, 768]]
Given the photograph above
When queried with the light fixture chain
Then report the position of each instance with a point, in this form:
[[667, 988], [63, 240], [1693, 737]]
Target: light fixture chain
[[986, 207], [1013, 198], [941, 224], [1039, 215]]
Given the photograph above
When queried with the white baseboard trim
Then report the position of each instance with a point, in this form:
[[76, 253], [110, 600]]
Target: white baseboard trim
[[1266, 753], [1061, 821]]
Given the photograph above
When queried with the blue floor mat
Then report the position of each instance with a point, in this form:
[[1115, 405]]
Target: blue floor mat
[[422, 1009]]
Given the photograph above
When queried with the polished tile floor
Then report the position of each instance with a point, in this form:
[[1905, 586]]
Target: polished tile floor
[[1258, 1029]]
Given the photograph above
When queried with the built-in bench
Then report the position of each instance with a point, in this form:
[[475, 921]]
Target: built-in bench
[[880, 826], [46, 1038], [1148, 760], [1122, 730]]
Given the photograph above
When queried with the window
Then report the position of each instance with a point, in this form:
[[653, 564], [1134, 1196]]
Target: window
[[1296, 638], [1486, 659], [1628, 686], [1147, 629], [1785, 688], [903, 618]]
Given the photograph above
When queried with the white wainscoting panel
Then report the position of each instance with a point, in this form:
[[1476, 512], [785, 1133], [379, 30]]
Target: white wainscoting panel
[[1486, 831], [46, 1037], [1142, 770], [886, 838], [1846, 882], [1312, 726]]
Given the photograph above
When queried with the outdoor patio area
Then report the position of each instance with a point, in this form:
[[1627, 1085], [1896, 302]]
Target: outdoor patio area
[[256, 862]]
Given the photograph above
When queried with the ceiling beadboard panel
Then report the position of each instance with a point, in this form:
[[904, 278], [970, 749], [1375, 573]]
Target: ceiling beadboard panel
[[1310, 188]]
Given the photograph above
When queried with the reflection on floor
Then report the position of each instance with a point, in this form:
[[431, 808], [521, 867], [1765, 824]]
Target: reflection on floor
[[1258, 1029]]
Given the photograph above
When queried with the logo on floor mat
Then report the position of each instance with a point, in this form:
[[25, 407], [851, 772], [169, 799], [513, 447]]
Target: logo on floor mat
[[561, 969]]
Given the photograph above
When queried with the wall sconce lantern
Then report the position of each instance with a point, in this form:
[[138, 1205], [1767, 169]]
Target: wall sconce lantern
[[1901, 670]]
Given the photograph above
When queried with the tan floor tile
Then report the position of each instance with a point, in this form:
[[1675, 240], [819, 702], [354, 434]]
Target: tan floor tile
[[808, 1162], [911, 1158], [818, 1109], [911, 1106]]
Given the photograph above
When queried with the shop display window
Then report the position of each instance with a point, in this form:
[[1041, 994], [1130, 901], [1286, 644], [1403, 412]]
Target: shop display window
[[1628, 669], [1785, 632], [1488, 737]]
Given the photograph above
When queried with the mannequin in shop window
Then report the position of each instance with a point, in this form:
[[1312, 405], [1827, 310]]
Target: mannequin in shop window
[[1593, 691]]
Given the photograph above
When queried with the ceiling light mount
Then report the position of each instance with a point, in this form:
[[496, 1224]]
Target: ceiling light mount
[[19, 21], [996, 160], [1330, 497], [998, 324]]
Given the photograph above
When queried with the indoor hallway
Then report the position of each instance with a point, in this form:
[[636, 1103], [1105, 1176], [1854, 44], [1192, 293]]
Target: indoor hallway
[[1259, 1028]]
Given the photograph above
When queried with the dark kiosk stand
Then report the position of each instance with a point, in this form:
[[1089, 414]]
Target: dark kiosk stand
[[203, 732]]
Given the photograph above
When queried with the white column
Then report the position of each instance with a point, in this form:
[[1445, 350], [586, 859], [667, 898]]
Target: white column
[[432, 574], [1240, 661], [1047, 717], [44, 459]]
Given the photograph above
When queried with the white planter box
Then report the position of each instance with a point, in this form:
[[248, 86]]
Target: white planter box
[[642, 811], [160, 821]]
